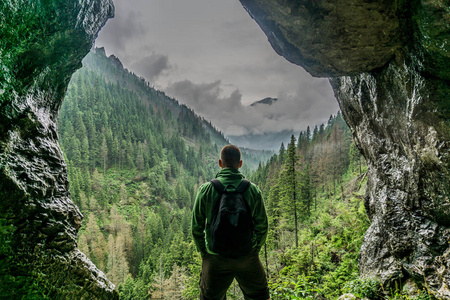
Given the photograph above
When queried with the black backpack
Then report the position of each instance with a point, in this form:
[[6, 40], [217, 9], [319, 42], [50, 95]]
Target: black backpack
[[231, 227]]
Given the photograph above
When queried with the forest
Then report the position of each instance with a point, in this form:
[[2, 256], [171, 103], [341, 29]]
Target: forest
[[136, 158]]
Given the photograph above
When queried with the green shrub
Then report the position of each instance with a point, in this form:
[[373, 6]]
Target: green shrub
[[288, 288], [364, 288]]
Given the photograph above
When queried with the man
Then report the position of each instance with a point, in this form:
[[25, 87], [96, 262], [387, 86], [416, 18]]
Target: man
[[218, 272]]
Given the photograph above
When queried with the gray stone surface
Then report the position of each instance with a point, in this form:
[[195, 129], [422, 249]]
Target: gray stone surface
[[43, 43], [389, 63], [332, 38], [407, 192]]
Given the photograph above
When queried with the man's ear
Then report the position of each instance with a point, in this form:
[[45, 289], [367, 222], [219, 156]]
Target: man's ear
[[240, 163], [220, 163]]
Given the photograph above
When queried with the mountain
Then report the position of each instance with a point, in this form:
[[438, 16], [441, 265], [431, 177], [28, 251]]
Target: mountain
[[136, 158], [148, 104], [264, 141], [268, 101]]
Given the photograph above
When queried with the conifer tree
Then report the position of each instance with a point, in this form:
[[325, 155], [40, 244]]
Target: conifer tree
[[104, 154], [282, 153], [290, 183], [274, 211], [140, 211], [306, 191], [308, 134]]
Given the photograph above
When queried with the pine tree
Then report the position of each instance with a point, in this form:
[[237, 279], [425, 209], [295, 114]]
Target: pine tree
[[117, 265], [306, 192], [274, 211], [290, 183], [175, 284], [142, 207], [104, 154], [282, 154], [84, 149], [80, 129], [140, 163]]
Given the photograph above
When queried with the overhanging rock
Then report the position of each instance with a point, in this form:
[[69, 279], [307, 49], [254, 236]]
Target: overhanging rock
[[389, 64], [42, 44]]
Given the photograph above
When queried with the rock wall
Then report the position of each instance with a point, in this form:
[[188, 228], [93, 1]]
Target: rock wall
[[42, 44], [389, 64], [390, 67]]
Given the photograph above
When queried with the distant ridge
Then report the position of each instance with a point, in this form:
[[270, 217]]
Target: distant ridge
[[113, 70], [268, 100], [127, 94], [263, 141]]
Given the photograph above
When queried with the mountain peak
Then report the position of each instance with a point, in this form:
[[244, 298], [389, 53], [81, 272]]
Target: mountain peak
[[100, 50], [115, 61], [267, 100]]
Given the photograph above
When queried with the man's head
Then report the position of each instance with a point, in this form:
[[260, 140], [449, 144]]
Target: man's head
[[230, 157]]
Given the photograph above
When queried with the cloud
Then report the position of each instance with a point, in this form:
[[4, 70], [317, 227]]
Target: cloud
[[227, 60], [152, 66], [291, 112], [126, 26]]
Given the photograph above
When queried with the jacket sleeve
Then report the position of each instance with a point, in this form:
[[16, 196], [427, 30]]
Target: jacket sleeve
[[260, 219], [199, 221]]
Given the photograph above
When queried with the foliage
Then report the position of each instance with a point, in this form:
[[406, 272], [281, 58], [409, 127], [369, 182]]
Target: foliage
[[16, 282], [401, 295], [136, 159], [329, 185], [287, 288], [370, 288], [364, 288]]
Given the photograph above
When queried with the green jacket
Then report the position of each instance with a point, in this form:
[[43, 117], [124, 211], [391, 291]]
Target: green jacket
[[204, 202]]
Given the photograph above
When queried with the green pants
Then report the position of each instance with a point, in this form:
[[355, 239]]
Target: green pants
[[218, 274]]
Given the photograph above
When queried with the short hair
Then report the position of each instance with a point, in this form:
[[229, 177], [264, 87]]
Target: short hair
[[230, 156]]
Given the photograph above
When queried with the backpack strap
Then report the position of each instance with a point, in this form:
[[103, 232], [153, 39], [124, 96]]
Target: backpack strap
[[243, 186], [221, 189], [218, 186]]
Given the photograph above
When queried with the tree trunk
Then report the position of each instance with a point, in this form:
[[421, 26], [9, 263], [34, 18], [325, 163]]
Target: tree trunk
[[295, 219], [315, 199]]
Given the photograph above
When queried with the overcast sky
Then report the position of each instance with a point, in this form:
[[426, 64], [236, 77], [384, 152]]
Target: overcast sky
[[211, 56]]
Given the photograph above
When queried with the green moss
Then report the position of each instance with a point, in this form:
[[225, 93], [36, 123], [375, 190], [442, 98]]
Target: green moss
[[35, 35], [16, 281], [432, 22], [443, 103]]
